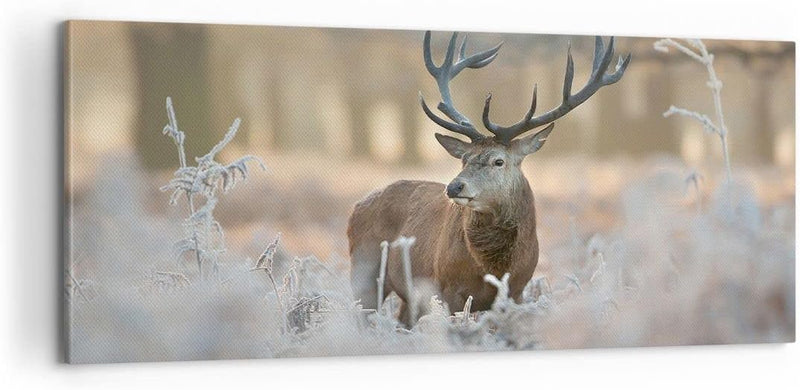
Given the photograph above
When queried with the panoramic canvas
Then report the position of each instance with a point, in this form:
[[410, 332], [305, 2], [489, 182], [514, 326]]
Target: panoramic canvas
[[251, 191]]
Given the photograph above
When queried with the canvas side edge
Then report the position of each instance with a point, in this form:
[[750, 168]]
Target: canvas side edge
[[65, 208]]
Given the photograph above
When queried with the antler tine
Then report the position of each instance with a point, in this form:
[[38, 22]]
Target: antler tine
[[568, 75], [465, 129], [529, 115], [598, 79], [446, 72], [462, 52], [475, 61], [598, 53]]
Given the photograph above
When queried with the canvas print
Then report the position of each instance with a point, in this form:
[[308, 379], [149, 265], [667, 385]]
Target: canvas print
[[259, 191]]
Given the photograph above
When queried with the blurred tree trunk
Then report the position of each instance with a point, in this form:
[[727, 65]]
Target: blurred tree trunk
[[277, 110], [170, 60], [761, 134], [611, 129], [409, 127], [659, 134], [353, 47], [360, 135], [641, 133]]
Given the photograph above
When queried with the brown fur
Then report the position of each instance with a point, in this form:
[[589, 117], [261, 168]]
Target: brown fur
[[455, 245]]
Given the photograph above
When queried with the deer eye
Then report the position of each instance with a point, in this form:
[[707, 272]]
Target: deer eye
[[499, 162]]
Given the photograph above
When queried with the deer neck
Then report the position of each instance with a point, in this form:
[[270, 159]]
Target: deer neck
[[493, 237]]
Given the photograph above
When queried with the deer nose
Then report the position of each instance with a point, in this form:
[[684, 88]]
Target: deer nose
[[454, 188]]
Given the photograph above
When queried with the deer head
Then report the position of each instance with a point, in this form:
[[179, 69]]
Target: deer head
[[491, 172]]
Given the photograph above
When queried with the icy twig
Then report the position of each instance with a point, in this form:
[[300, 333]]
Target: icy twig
[[265, 262], [502, 298], [225, 141], [697, 50], [382, 273], [176, 278], [405, 244], [172, 131], [600, 268], [708, 125], [663, 46], [466, 311], [693, 181], [574, 280], [77, 286]]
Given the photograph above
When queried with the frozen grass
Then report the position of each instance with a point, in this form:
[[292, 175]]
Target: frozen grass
[[666, 269], [661, 273]]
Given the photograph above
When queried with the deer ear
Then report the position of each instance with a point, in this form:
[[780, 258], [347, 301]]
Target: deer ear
[[531, 143], [454, 146]]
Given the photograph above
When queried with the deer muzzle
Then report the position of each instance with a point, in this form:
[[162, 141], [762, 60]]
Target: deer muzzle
[[454, 189]]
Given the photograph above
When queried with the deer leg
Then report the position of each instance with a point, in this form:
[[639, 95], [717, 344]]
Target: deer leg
[[365, 266]]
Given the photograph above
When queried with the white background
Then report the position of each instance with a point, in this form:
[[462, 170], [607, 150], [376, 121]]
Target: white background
[[29, 357]]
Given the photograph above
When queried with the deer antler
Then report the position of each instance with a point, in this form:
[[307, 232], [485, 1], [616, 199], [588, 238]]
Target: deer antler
[[446, 72], [598, 79]]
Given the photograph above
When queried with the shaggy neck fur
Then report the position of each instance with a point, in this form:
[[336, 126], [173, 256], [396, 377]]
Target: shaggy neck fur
[[492, 237]]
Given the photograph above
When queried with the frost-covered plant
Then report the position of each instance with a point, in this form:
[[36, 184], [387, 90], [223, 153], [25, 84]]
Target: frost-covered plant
[[382, 273], [507, 322], [265, 262], [83, 288], [299, 300], [308, 296], [595, 249], [697, 51], [466, 312], [405, 244], [501, 299], [693, 181], [204, 235], [160, 281]]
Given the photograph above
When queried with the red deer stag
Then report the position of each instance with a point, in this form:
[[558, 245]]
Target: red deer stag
[[484, 221]]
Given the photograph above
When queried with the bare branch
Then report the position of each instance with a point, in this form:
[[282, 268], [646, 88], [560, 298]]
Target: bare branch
[[715, 84], [225, 140], [663, 46], [708, 125]]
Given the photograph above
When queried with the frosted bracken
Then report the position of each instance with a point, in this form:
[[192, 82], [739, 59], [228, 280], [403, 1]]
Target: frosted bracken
[[204, 235], [669, 270]]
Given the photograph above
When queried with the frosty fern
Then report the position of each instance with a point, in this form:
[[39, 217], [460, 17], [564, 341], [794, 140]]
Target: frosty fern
[[203, 234]]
